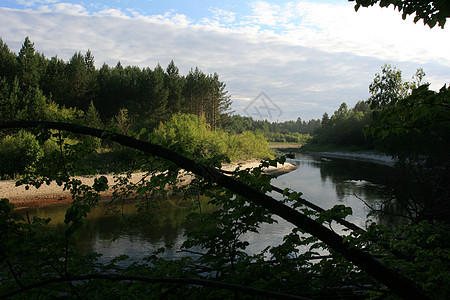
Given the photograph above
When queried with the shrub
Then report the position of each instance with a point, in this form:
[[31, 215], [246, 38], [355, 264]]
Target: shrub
[[248, 145], [19, 154], [190, 133]]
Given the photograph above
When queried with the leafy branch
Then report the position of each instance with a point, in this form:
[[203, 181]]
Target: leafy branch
[[178, 281], [397, 283]]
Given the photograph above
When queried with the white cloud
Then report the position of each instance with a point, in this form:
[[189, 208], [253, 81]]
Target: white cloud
[[169, 18], [371, 32], [223, 16], [112, 13], [265, 13], [68, 8]]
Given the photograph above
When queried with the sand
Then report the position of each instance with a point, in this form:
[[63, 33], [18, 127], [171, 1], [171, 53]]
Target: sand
[[53, 194]]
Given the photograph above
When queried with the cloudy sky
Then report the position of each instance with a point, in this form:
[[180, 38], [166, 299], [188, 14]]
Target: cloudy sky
[[279, 59]]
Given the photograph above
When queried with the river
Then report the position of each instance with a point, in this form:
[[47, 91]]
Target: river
[[323, 181]]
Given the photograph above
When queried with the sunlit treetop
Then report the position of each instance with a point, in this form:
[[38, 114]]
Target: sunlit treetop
[[432, 12]]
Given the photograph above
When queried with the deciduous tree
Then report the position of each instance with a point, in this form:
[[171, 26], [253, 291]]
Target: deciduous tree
[[432, 12]]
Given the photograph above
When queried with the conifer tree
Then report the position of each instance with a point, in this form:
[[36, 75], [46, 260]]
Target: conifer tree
[[8, 62], [27, 60], [174, 83]]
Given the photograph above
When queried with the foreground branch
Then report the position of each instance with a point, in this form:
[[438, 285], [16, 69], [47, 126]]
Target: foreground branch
[[178, 281], [397, 283]]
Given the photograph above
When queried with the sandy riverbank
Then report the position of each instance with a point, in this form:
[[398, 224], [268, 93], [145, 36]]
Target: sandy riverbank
[[54, 194]]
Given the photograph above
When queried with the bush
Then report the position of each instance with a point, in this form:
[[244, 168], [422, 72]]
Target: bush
[[19, 154], [190, 133], [248, 145]]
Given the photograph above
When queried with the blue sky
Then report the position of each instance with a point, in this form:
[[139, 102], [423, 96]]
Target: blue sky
[[306, 56]]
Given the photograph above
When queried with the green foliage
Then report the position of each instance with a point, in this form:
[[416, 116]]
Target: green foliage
[[28, 65], [389, 87], [386, 87], [348, 127], [408, 122], [284, 132], [8, 62], [29, 103], [418, 251], [345, 127], [19, 154], [416, 125], [122, 121], [301, 265], [416, 130], [191, 134], [432, 12], [248, 145], [294, 137], [288, 131], [28, 79], [92, 117], [80, 80], [37, 263], [429, 245]]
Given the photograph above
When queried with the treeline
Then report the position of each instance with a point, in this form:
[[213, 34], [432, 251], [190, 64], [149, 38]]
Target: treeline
[[184, 113], [289, 131], [148, 96], [345, 127], [355, 126], [410, 122]]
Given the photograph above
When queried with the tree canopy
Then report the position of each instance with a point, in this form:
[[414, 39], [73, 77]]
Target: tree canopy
[[149, 95], [432, 12]]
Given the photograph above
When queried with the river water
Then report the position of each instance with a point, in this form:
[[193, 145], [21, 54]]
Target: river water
[[323, 181]]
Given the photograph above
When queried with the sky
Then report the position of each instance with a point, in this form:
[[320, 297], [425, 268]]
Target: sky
[[280, 60]]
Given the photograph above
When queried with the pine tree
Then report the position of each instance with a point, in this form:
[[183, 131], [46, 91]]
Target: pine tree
[[8, 62], [54, 82], [92, 117], [27, 61], [174, 83], [82, 78]]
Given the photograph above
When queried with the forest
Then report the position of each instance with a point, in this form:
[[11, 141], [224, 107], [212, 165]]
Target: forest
[[148, 96], [62, 119]]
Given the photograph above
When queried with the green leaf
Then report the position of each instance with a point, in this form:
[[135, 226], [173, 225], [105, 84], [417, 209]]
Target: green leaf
[[100, 184]]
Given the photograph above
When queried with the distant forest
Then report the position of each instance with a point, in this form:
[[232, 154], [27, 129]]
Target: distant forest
[[149, 96], [289, 131], [131, 98], [141, 97]]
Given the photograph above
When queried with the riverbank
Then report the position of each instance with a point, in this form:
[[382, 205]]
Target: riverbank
[[332, 151], [53, 194], [369, 157]]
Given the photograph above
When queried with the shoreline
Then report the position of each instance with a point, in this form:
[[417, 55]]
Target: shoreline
[[53, 194], [368, 157]]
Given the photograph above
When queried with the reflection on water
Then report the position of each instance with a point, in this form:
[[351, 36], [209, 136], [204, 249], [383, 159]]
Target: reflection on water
[[325, 182], [330, 181], [107, 233]]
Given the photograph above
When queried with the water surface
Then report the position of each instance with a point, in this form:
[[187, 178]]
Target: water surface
[[323, 181]]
